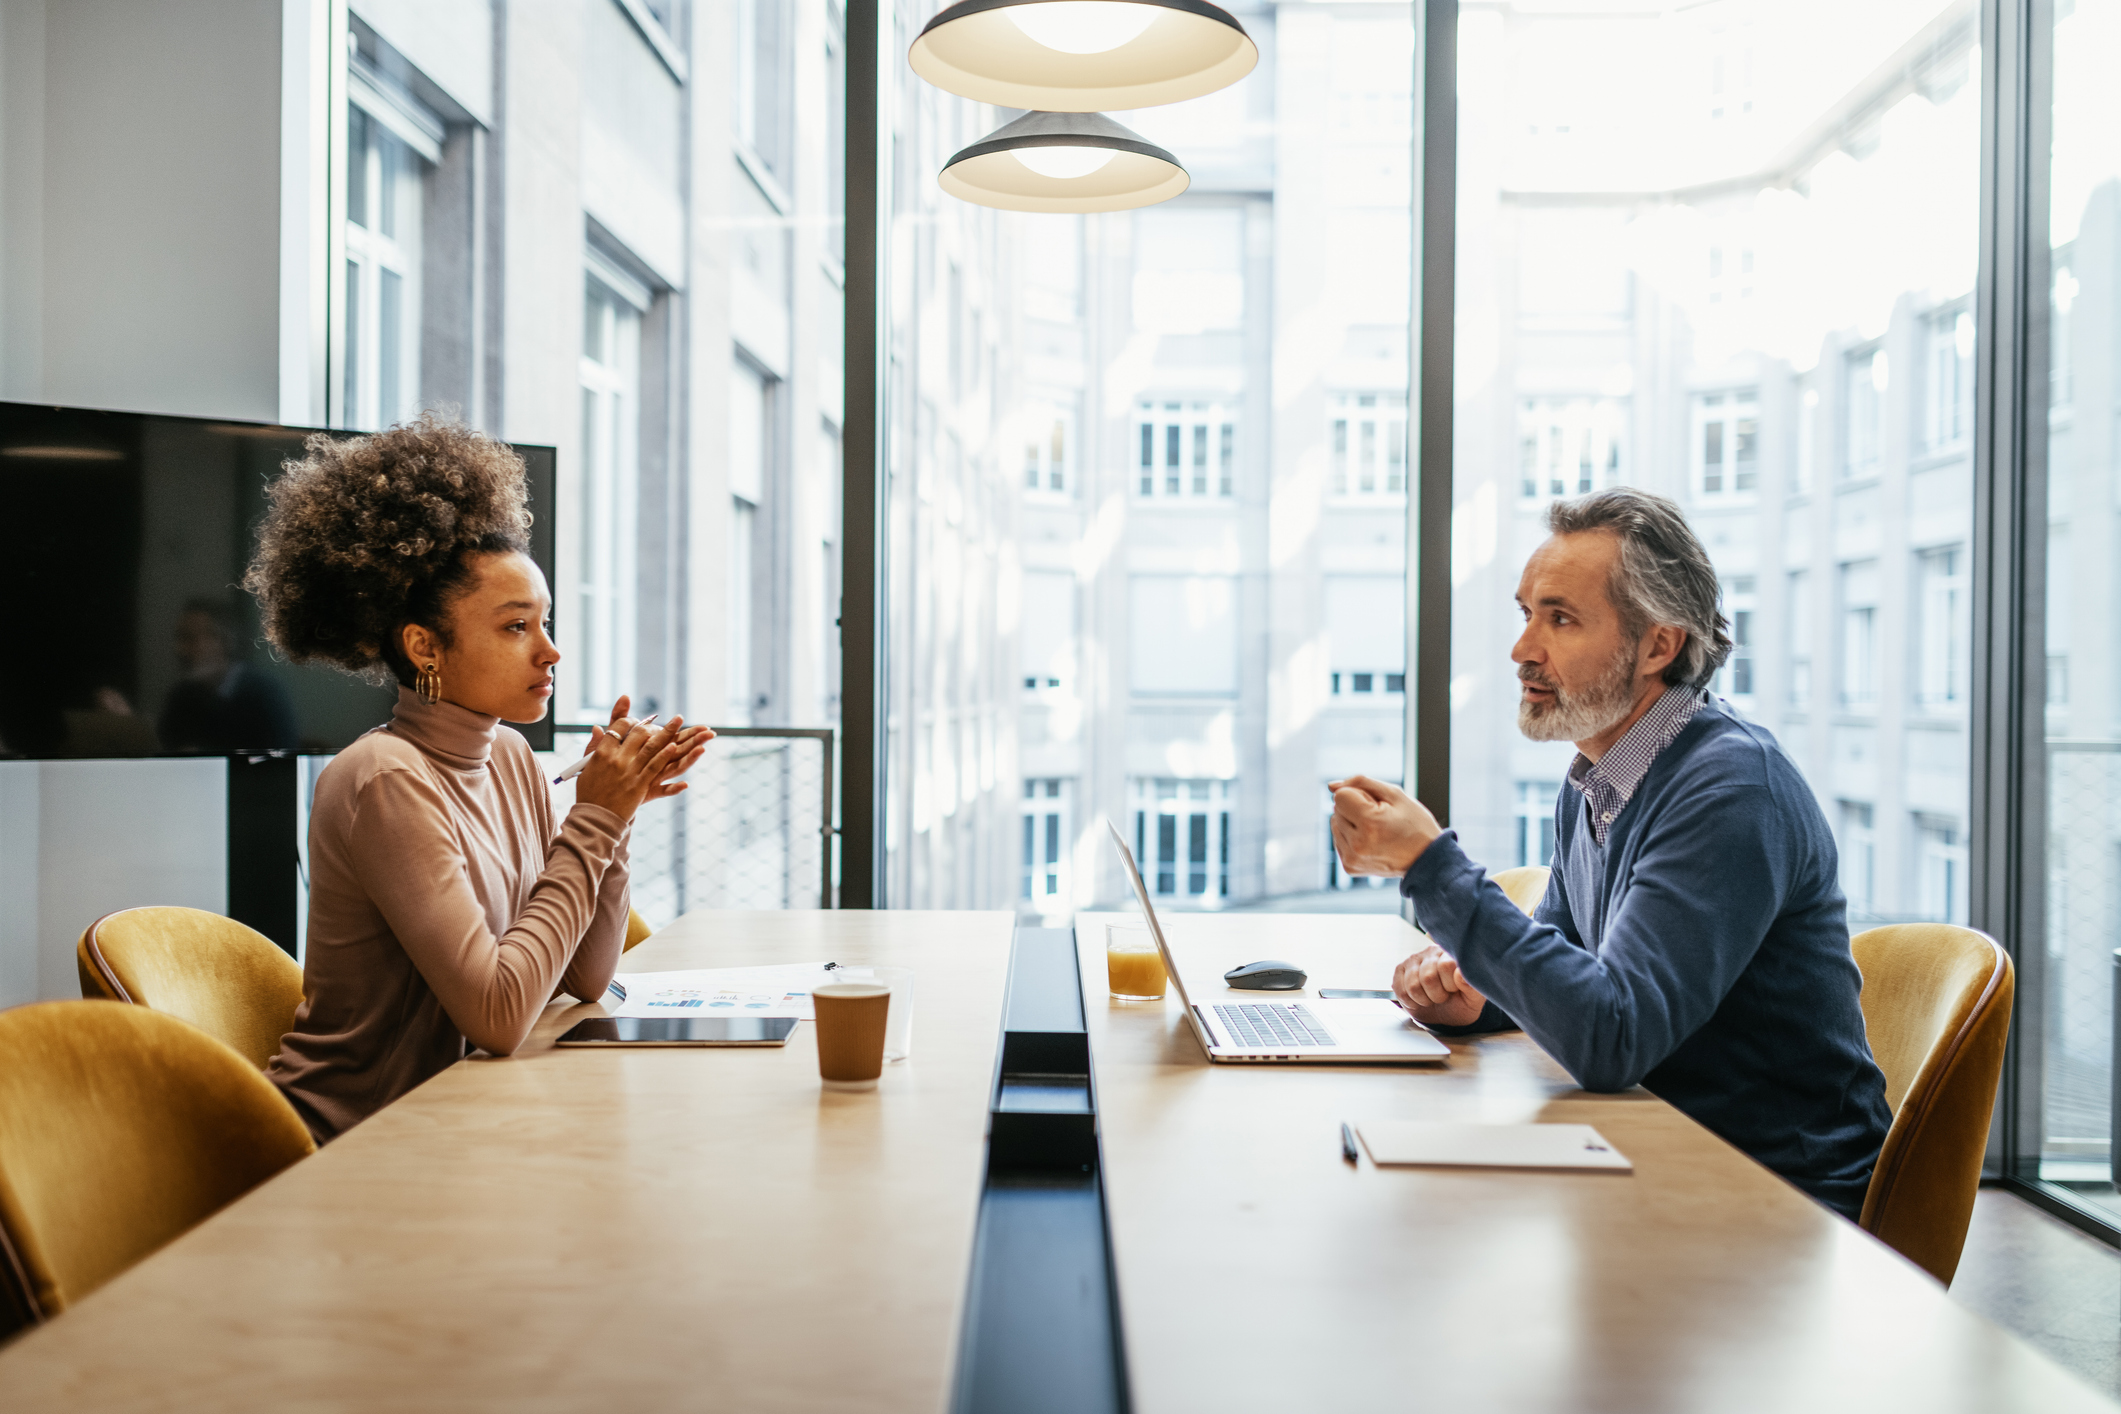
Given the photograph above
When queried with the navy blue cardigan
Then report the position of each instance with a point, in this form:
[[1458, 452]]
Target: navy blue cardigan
[[1702, 952]]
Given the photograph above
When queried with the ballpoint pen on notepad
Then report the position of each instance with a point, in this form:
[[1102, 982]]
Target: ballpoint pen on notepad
[[578, 767]]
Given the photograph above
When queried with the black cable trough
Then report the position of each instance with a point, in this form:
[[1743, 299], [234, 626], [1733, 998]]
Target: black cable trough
[[1041, 1329]]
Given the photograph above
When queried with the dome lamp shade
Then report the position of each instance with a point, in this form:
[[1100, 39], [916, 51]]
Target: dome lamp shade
[[1083, 56], [1064, 162]]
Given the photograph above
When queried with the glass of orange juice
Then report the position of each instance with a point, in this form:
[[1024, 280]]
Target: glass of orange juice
[[1133, 965]]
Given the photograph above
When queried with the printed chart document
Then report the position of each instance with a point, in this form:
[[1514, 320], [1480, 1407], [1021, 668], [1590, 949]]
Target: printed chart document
[[1491, 1146], [782, 990]]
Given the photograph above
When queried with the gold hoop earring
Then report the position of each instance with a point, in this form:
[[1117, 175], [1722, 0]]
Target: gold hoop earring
[[428, 685]]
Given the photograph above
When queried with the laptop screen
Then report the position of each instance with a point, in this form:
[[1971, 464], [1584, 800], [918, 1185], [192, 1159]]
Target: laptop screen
[[1141, 894]]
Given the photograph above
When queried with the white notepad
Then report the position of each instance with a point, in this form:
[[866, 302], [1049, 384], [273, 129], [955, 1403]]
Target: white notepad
[[1492, 1146]]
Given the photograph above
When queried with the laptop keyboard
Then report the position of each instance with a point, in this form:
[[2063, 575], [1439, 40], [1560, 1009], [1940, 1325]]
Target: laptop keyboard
[[1272, 1026]]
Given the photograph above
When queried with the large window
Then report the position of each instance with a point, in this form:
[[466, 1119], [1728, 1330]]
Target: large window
[[2074, 993], [1743, 292], [1147, 485]]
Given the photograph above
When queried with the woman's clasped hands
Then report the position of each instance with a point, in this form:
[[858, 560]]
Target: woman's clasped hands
[[631, 762]]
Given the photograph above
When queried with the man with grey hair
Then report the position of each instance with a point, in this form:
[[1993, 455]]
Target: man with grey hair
[[1693, 938]]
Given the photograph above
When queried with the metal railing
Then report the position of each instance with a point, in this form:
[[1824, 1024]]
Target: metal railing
[[754, 830]]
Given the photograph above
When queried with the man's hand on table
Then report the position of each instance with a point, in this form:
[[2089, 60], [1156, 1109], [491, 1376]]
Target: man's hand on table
[[1434, 992], [1379, 828]]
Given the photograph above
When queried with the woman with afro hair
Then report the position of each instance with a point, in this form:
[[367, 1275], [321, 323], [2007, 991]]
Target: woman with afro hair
[[447, 903]]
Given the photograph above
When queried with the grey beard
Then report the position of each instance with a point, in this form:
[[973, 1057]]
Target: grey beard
[[1581, 716]]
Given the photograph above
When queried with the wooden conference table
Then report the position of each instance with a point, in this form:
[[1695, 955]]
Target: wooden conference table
[[569, 1230], [1259, 1271], [670, 1229]]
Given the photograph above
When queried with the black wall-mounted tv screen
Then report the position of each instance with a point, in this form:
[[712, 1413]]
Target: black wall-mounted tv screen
[[127, 539]]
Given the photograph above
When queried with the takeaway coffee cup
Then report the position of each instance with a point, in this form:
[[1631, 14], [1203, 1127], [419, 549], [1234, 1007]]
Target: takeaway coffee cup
[[898, 1030], [851, 1017]]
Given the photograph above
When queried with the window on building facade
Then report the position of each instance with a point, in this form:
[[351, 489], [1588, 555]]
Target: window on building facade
[[383, 199], [1948, 400], [750, 465], [1184, 450], [1941, 866], [1944, 623], [1741, 607], [1047, 447], [1535, 821], [759, 95], [1047, 836], [606, 505], [1570, 446], [1807, 438], [1865, 375], [1859, 858], [1798, 632], [1859, 634], [1367, 440], [1182, 836], [1726, 443]]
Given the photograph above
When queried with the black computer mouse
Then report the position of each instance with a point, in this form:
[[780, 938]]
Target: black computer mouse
[[1266, 976]]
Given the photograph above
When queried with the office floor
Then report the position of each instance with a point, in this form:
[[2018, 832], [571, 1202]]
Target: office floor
[[2046, 1282]]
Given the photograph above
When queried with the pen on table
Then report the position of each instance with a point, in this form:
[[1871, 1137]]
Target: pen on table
[[581, 765], [1347, 1144]]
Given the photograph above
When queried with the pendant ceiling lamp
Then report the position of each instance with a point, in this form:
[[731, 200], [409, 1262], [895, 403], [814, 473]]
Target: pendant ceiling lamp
[[1080, 56], [1064, 162]]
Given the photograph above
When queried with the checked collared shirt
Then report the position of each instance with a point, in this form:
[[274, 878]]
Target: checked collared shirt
[[1608, 785]]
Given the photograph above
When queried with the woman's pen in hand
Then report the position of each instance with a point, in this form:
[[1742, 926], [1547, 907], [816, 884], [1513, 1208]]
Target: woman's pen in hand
[[583, 764]]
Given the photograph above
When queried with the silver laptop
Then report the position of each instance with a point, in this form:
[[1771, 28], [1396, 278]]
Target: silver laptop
[[1298, 1029]]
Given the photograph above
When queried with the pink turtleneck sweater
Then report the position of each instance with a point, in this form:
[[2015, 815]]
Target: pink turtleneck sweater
[[446, 905]]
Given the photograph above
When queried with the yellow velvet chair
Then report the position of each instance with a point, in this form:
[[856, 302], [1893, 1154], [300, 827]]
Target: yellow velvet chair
[[1937, 1008], [232, 983], [120, 1129], [637, 930], [1526, 885]]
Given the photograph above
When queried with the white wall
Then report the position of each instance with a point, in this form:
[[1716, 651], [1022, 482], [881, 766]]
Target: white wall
[[142, 236], [79, 839], [159, 207]]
